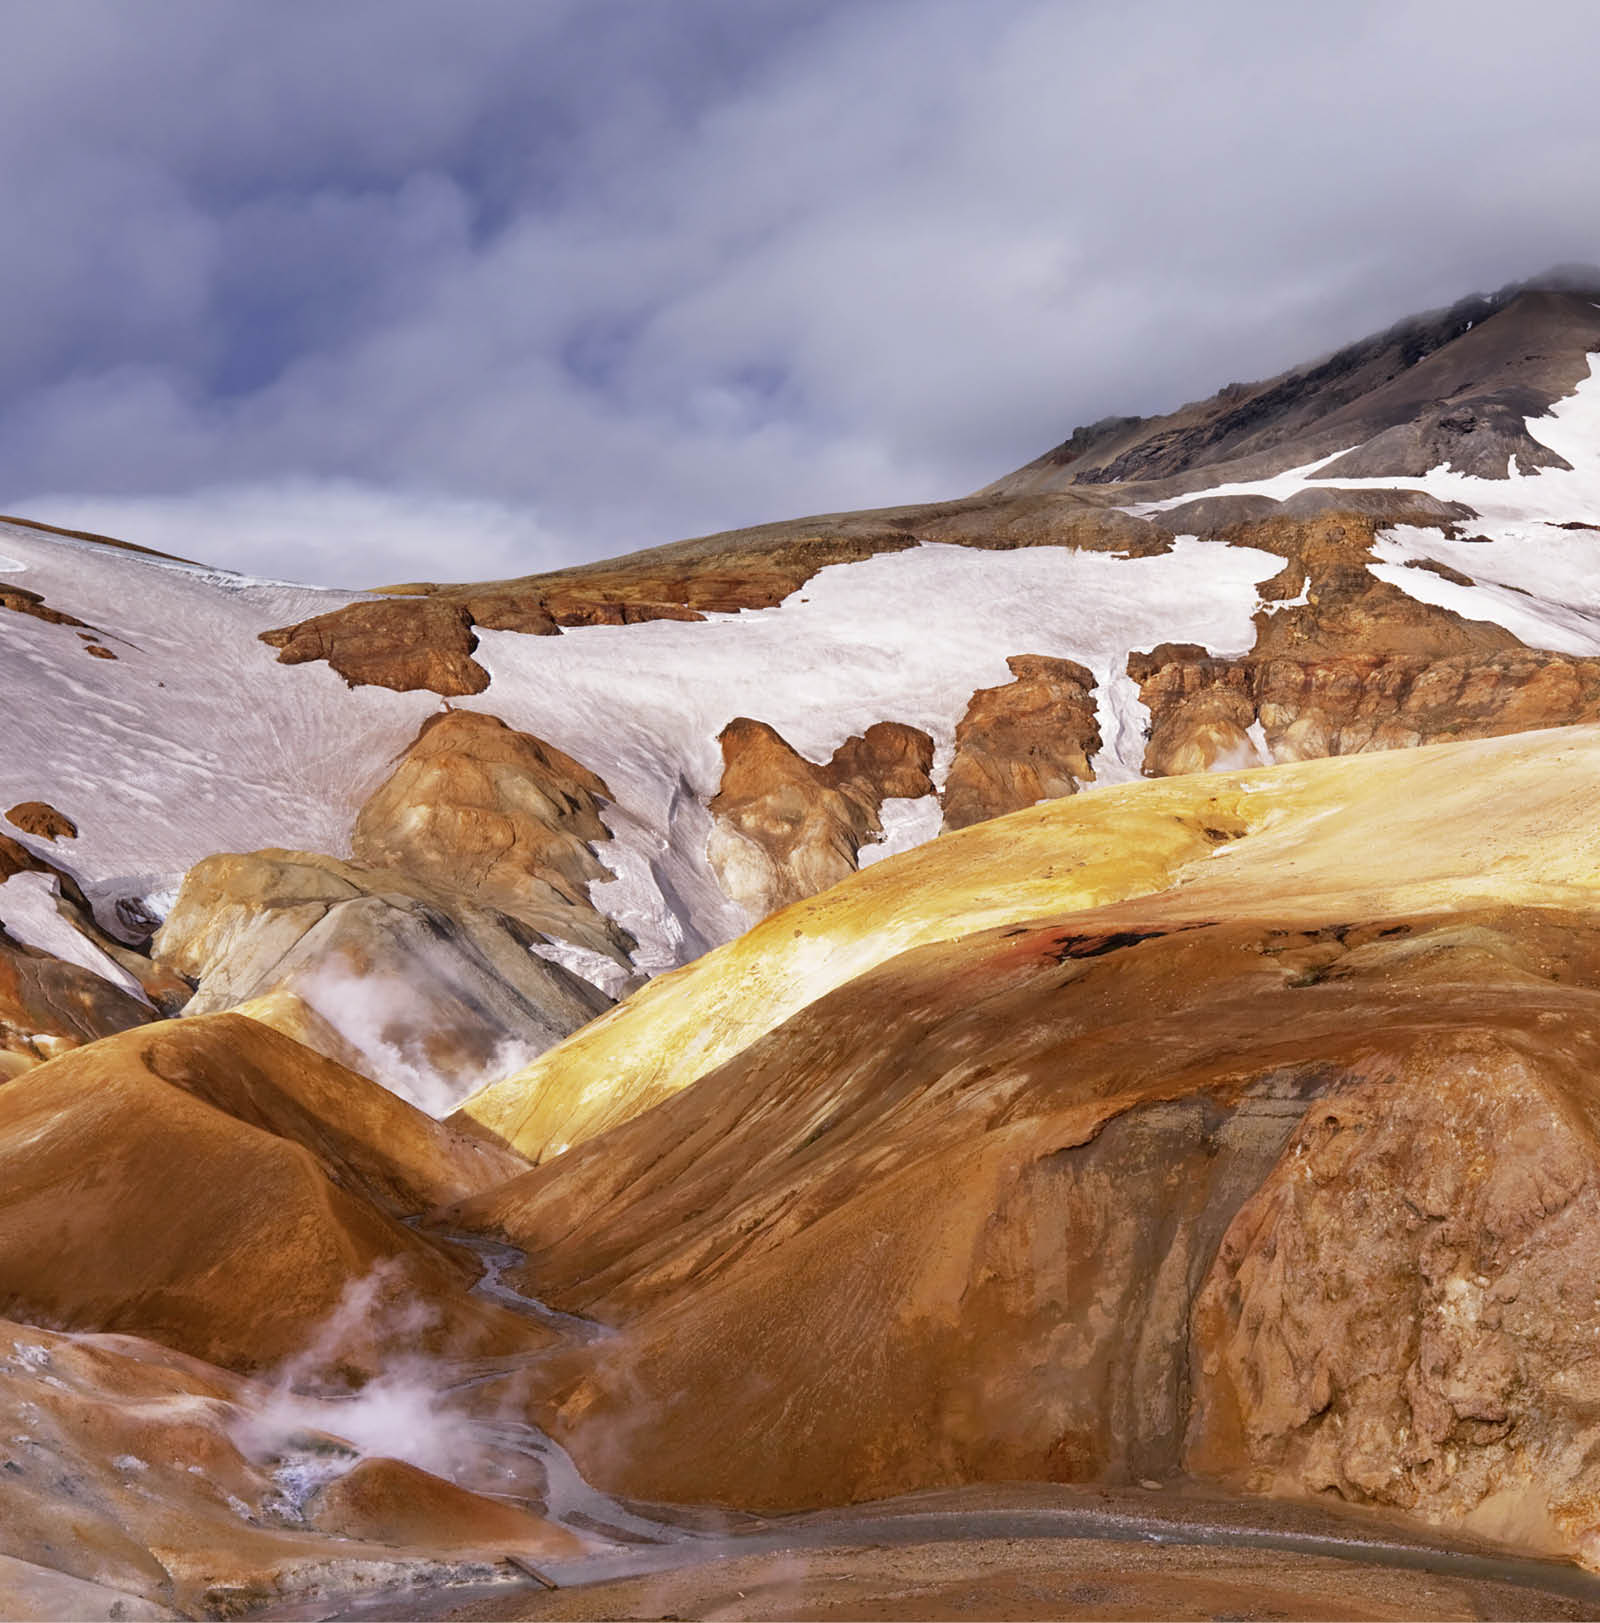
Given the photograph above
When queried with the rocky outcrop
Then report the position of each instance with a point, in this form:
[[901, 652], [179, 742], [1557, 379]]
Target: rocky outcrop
[[1027, 741], [22, 601], [41, 819], [241, 1265], [787, 827], [402, 643], [1203, 709], [1345, 663], [429, 994], [478, 810], [1404, 1312]]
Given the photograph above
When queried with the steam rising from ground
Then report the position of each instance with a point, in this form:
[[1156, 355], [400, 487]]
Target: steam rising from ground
[[399, 1414], [316, 1423], [400, 1042]]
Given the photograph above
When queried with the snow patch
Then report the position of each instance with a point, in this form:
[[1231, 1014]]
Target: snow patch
[[643, 704], [907, 822], [1542, 584], [587, 964], [29, 914]]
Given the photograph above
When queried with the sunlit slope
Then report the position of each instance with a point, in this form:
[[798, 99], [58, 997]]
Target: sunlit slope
[[1285, 1174], [1450, 826]]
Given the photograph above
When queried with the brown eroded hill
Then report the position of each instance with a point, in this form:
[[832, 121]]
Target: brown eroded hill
[[1240, 1126], [211, 1185]]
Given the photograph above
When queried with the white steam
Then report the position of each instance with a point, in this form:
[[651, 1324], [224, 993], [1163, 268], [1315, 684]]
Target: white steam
[[387, 1025], [399, 1414]]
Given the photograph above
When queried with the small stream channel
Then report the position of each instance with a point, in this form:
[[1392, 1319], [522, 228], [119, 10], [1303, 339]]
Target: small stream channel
[[646, 1539]]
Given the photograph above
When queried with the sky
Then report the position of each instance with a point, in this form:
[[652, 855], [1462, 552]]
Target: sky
[[357, 293]]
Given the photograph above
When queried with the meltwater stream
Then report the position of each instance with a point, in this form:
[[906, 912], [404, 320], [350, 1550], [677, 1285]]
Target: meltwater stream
[[633, 1542], [568, 1498]]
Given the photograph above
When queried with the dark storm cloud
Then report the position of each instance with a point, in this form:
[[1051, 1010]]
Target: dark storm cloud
[[366, 291]]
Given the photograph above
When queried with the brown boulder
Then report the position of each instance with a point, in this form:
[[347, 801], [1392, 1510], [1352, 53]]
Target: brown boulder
[[397, 642], [787, 827], [40, 818], [1026, 741]]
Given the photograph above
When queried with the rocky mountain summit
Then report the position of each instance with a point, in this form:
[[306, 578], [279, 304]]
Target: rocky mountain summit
[[1085, 984]]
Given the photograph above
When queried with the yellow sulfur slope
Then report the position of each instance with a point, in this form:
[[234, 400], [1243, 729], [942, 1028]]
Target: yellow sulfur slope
[[1504, 819]]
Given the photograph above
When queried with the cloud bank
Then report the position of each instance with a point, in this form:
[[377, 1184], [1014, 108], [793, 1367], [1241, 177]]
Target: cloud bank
[[366, 291]]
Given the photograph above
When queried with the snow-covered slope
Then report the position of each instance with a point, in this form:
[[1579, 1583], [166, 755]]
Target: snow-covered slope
[[195, 740]]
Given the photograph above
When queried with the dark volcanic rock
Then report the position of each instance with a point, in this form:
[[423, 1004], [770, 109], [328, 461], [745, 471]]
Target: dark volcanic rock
[[1450, 386]]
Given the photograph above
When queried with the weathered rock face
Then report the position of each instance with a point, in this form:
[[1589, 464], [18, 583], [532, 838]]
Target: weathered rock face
[[788, 827], [1404, 1313], [1356, 665], [40, 818], [429, 994], [1027, 741], [402, 643], [292, 1205], [500, 818], [1202, 708]]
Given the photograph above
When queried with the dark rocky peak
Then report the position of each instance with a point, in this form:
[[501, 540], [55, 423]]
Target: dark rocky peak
[[1453, 385]]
